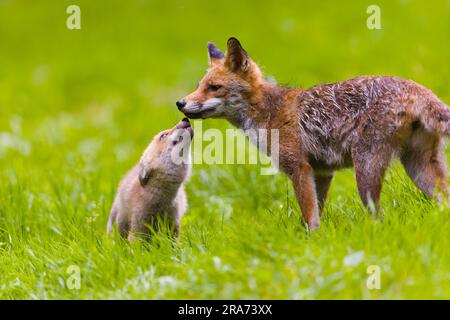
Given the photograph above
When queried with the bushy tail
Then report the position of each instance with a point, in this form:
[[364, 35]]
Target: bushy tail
[[435, 116]]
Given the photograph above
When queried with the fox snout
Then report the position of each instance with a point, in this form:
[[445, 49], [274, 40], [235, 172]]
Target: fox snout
[[180, 104], [211, 108], [190, 109], [185, 124]]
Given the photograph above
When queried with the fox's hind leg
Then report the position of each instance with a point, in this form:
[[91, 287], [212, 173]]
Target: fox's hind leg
[[370, 166], [424, 160]]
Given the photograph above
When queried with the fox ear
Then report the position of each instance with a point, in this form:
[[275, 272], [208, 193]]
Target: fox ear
[[236, 58], [144, 175], [214, 54]]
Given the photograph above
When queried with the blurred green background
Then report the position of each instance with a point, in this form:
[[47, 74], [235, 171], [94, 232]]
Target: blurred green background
[[78, 107]]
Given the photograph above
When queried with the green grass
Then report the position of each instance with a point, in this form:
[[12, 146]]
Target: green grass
[[77, 108]]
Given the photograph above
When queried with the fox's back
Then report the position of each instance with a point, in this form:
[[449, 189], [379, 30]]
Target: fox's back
[[332, 115]]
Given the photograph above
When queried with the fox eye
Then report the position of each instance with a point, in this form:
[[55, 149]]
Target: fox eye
[[162, 136], [214, 87]]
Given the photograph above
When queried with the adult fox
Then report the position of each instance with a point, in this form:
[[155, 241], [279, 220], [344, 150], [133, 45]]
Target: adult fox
[[365, 121]]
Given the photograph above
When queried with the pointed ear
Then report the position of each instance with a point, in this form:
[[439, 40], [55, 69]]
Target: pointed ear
[[236, 59], [214, 54], [144, 175]]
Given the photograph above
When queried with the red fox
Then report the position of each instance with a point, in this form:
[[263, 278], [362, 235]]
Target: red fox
[[154, 187], [364, 122]]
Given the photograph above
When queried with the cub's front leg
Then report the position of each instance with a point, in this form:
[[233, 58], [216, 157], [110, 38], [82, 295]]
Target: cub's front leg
[[305, 192]]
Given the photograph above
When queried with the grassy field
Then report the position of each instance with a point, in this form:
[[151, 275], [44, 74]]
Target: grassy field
[[78, 107]]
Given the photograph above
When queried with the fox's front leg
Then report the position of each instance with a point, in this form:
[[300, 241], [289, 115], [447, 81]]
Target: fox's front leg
[[305, 191], [323, 182]]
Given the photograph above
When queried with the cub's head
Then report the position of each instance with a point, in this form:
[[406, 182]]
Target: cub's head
[[167, 158], [230, 84]]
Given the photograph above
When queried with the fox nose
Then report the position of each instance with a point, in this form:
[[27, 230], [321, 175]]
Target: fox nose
[[180, 104], [183, 124]]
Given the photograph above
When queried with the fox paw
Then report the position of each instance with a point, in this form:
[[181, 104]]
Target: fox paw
[[313, 225]]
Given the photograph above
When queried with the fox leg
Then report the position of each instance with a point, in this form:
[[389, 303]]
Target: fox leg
[[424, 160], [370, 167], [138, 228], [305, 192], [119, 218], [323, 182], [112, 218]]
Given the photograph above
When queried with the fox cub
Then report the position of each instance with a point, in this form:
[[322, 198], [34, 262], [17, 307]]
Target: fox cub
[[154, 187], [364, 122]]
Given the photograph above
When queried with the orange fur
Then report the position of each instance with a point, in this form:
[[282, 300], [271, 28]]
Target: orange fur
[[364, 122]]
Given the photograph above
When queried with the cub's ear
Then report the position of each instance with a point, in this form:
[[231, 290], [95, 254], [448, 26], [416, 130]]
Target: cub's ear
[[214, 54], [236, 59], [144, 175]]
